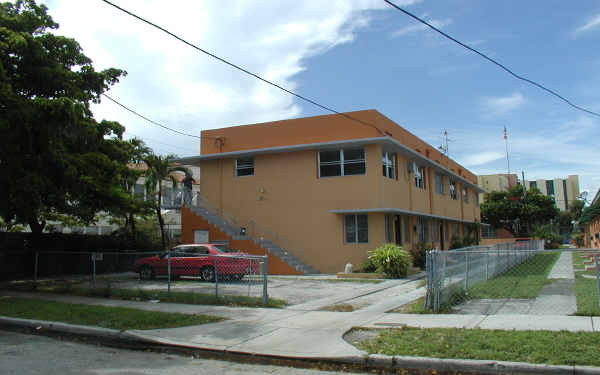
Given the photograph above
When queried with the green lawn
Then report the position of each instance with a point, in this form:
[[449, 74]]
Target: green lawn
[[557, 348], [586, 290], [120, 318], [106, 291], [522, 281]]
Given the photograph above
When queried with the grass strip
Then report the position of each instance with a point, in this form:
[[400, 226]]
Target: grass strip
[[139, 294], [522, 281], [548, 347], [586, 290], [120, 318]]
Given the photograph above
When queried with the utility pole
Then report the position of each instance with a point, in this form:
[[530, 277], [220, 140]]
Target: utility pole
[[507, 160]]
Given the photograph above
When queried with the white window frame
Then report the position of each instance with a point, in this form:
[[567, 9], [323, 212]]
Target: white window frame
[[243, 167], [388, 161], [343, 162], [356, 235]]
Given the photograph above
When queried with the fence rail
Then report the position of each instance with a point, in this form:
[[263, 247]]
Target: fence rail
[[227, 274]]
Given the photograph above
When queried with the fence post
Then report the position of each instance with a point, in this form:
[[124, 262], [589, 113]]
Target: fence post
[[216, 276], [35, 268], [597, 276], [487, 264], [264, 265], [93, 260], [466, 270], [169, 274]]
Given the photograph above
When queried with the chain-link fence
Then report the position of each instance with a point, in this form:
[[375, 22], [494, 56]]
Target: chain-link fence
[[182, 273], [513, 278]]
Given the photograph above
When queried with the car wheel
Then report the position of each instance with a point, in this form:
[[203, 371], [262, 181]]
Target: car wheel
[[146, 273], [207, 273]]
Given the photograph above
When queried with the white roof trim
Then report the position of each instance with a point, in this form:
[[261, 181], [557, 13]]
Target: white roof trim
[[397, 146], [397, 211]]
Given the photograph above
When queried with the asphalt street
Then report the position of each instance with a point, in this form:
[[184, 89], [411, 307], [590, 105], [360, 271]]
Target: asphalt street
[[32, 355]]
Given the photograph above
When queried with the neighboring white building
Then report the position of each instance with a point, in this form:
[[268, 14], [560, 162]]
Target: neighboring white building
[[564, 191]]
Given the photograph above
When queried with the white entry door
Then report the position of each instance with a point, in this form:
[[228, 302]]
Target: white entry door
[[201, 236]]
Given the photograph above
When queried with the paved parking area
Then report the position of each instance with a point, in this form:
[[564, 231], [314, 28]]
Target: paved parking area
[[295, 290]]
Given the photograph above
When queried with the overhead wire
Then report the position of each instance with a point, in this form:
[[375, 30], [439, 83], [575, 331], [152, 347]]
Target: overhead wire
[[503, 67], [147, 119], [242, 69]]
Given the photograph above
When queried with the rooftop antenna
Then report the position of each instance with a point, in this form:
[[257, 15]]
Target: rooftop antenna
[[507, 160], [444, 147]]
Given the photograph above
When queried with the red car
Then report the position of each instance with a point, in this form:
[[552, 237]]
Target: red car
[[197, 260]]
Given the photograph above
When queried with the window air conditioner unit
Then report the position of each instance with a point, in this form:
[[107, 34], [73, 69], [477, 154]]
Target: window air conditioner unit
[[412, 167]]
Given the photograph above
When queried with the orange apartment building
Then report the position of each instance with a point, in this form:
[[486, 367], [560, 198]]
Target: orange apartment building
[[318, 192], [591, 228]]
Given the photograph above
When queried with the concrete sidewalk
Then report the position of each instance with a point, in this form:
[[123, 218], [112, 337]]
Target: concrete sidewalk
[[309, 334]]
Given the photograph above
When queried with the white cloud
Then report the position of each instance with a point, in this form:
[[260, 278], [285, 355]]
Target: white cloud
[[481, 158], [592, 23], [493, 106], [415, 28], [180, 87]]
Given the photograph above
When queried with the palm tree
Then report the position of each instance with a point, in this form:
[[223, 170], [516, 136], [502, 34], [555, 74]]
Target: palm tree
[[160, 168]]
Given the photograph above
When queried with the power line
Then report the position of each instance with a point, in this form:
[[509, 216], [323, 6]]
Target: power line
[[172, 147], [238, 67], [493, 61], [147, 119]]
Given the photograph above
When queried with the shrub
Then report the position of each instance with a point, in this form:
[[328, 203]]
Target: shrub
[[418, 252], [368, 266], [391, 259]]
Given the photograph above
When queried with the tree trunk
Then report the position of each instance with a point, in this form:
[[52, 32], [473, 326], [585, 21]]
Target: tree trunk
[[131, 220], [36, 228], [161, 223]]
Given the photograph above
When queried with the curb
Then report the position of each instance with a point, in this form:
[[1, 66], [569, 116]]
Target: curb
[[372, 361]]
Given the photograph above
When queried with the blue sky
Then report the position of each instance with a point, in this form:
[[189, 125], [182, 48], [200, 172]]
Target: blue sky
[[361, 54]]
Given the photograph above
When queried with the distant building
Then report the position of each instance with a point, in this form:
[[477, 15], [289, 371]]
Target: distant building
[[564, 191], [496, 182], [591, 226]]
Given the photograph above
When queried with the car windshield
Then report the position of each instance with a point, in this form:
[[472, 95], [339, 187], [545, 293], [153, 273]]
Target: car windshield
[[225, 249]]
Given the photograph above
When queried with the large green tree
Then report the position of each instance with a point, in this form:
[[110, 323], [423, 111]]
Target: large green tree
[[56, 160], [518, 210]]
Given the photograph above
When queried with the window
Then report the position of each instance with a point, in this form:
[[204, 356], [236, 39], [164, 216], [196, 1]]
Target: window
[[344, 162], [422, 229], [454, 230], [532, 184], [389, 164], [244, 167], [420, 177], [439, 184], [406, 229], [452, 189], [465, 194], [550, 187], [356, 228]]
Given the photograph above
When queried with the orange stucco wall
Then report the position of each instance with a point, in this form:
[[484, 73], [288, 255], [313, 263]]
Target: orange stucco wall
[[592, 233]]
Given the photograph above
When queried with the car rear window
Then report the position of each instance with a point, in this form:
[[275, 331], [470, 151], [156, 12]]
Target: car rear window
[[225, 249]]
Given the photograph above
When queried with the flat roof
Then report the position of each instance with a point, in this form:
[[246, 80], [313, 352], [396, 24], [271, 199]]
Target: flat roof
[[397, 211], [389, 142]]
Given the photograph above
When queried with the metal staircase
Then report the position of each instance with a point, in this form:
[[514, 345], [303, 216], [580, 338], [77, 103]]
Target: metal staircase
[[234, 232]]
